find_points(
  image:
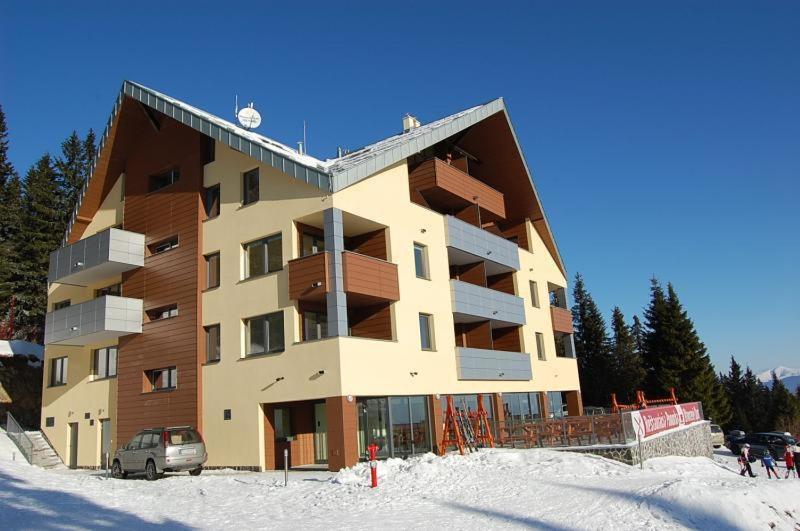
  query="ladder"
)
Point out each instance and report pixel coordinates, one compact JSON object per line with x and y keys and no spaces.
{"x":452,"y":433}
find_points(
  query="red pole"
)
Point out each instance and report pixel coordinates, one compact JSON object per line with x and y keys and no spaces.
{"x":373,"y":463}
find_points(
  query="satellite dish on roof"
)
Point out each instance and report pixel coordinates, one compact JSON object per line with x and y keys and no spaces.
{"x":249,"y":117}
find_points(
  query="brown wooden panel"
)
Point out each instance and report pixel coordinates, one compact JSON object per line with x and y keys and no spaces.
{"x":172,"y":277}
{"x":474,"y":335}
{"x":305,"y":272}
{"x":518,"y":233}
{"x":506,"y":339}
{"x":503,"y":282}
{"x":364,"y":275}
{"x":374,"y":321}
{"x":371,"y":244}
{"x":342,"y":432}
{"x":473,"y":273}
{"x":562,"y":319}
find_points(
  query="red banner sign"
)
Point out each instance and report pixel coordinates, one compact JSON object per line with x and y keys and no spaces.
{"x":655,"y":420}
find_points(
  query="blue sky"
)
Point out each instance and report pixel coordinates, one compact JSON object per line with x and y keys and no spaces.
{"x":664,"y":137}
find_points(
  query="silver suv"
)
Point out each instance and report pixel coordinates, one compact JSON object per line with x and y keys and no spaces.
{"x":158,"y":450}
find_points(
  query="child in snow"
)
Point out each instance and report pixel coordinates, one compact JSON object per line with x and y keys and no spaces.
{"x":768,"y":462}
{"x":744,"y":461}
{"x":788,"y":458}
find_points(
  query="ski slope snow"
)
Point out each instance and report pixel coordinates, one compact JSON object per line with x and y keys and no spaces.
{"x":491,"y":489}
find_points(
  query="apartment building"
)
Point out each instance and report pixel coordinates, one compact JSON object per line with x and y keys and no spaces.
{"x":214,"y":277}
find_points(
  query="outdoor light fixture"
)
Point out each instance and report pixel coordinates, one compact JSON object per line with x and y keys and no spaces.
{"x":413,"y":373}
{"x":74,"y":328}
{"x":494,"y":312}
{"x":321,"y":372}
{"x":78,"y":264}
{"x":349,"y":398}
{"x":423,"y":231}
{"x":279,"y":378}
{"x":316,"y":284}
{"x":502,"y":374}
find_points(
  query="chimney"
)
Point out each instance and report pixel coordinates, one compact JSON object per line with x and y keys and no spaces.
{"x":409,"y":123}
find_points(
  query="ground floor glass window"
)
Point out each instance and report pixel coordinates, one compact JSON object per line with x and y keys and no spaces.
{"x":398,"y":425}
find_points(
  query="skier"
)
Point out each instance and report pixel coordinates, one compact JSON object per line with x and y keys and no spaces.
{"x":744,"y":461}
{"x":788,"y":457}
{"x":768,"y":462}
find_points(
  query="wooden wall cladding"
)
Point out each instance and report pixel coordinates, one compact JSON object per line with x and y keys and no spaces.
{"x":507,"y":339}
{"x":371,"y":277}
{"x":172,"y":277}
{"x":371,"y":244}
{"x":562,"y":319}
{"x":374,"y":322}
{"x":517,"y":232}
{"x":474,"y":335}
{"x":473,"y":273}
{"x":503,"y":282}
{"x":342,"y":432}
{"x":305,"y":272}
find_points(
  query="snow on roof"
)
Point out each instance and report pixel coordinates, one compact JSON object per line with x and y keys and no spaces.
{"x":17,"y":347}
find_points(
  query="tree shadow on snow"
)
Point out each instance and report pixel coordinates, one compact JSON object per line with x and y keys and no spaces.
{"x":23,"y":506}
{"x":509,"y":518}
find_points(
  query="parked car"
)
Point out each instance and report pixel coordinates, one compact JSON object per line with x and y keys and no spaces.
{"x":773,"y":441}
{"x":717,"y":437}
{"x":158,"y":450}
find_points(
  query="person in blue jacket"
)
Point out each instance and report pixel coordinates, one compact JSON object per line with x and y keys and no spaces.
{"x":768,"y":462}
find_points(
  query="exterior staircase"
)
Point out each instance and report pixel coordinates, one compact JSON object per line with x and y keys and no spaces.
{"x":33,"y":445}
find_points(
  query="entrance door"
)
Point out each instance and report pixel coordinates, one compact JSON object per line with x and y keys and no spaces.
{"x":320,"y":433}
{"x":73,"y":445}
{"x":105,"y":442}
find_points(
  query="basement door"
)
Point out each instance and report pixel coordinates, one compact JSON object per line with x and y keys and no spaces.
{"x":320,"y":433}
{"x":105,"y":438}
{"x":73,"y":445}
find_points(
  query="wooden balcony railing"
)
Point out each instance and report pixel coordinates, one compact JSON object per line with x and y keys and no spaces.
{"x":446,"y":186}
{"x":562,"y":319}
{"x":308,"y":277}
{"x":370,"y":277}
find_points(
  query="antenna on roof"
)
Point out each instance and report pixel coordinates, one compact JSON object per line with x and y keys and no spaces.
{"x":248,"y":117}
{"x":236,"y":107}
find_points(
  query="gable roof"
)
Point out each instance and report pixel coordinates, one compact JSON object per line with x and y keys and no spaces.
{"x":331,"y":175}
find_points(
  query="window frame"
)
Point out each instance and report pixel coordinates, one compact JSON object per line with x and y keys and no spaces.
{"x":246,"y":200}
{"x":429,"y":326}
{"x":540,"y":351}
{"x":267,"y":328}
{"x":100,"y":291}
{"x":212,"y":208}
{"x":168,"y":244}
{"x":106,"y":352}
{"x":218,"y":347}
{"x":169,"y":308}
{"x":171,"y":373}
{"x":58,"y":371}
{"x":426,"y":275}
{"x":321,"y":325}
{"x":208,"y":260}
{"x":534,"y":287}
{"x":263,"y":242}
{"x":171,"y":176}
{"x":60,"y":305}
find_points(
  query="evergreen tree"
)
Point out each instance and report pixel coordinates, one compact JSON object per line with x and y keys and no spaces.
{"x":734,"y":384}
{"x":71,"y":168}
{"x":10,"y":192}
{"x":660,"y":345}
{"x":629,"y":373}
{"x":783,"y":410}
{"x":756,"y":402}
{"x":637,"y":330}
{"x":592,"y":347}
{"x":42,"y":230}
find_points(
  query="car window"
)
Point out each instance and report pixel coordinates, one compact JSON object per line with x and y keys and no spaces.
{"x":716,"y":429}
{"x":136,"y":442}
{"x":150,"y":440}
{"x":184,"y":436}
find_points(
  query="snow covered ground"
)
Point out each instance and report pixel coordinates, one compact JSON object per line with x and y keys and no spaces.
{"x":492,"y":489}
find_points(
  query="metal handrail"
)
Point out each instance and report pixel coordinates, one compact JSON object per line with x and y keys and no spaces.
{"x":17,"y":434}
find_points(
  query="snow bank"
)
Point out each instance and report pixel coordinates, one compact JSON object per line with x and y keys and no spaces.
{"x":491,"y":489}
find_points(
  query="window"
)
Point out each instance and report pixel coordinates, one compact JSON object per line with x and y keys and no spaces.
{"x":105,"y":362}
{"x":283,"y":423}
{"x":61,"y":304}
{"x":164,"y":312}
{"x":49,"y":422}
{"x":212,"y":343}
{"x":150,"y":440}
{"x":534,"y":294}
{"x":58,"y":371}
{"x":426,"y":331}
{"x":114,"y":289}
{"x":264,"y":334}
{"x":312,"y":244}
{"x":540,"y":346}
{"x":421,"y":260}
{"x":561,"y":351}
{"x":521,"y":406}
{"x":212,"y":271}
{"x":558,"y":295}
{"x":162,"y":180}
{"x":250,"y":187}
{"x":211,"y":201}
{"x":315,"y":325}
{"x":263,"y":256}
{"x":162,"y":379}
{"x":556,"y":403}
{"x":163,"y":245}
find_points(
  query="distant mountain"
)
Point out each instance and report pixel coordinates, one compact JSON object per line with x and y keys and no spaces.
{"x":789,"y":377}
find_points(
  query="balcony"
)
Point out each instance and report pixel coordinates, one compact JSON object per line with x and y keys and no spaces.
{"x":368,"y":279}
{"x":483,"y":364}
{"x":308,"y":277}
{"x":475,"y":303}
{"x":467,"y":243}
{"x":562,"y":319}
{"x":95,"y":321}
{"x":101,"y":256}
{"x":446,"y":188}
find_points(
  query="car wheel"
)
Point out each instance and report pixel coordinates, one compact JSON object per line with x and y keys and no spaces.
{"x":117,"y":472}
{"x":150,"y":471}
{"x":196,"y":471}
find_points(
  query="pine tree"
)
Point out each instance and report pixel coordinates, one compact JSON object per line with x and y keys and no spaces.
{"x":734,"y":384}
{"x":756,"y":402}
{"x":10,"y":192}
{"x":637,"y":330}
{"x":42,"y":230}
{"x":783,"y":410}
{"x":629,"y":373}
{"x":659,"y":356}
{"x":71,"y":168}
{"x":592,"y":347}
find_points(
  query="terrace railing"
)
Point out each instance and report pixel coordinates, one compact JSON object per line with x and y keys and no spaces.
{"x":17,"y":434}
